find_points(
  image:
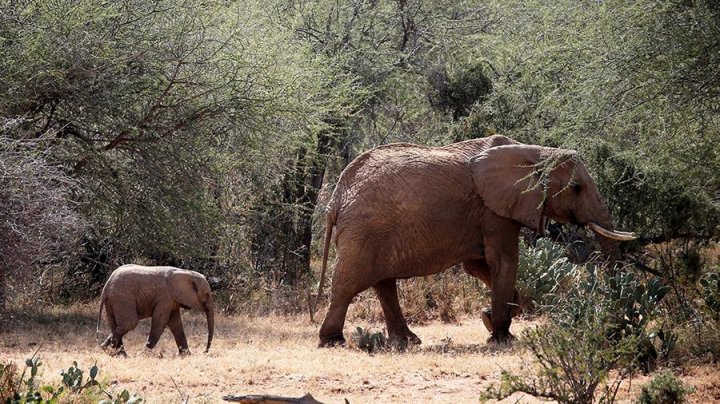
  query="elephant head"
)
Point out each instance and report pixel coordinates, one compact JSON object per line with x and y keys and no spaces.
{"x":530,"y":183}
{"x":192,"y":291}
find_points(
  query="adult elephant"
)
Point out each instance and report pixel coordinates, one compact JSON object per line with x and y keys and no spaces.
{"x":135,"y":292}
{"x":403,"y":210}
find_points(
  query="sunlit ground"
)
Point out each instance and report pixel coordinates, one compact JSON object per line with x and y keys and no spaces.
{"x":278,"y":355}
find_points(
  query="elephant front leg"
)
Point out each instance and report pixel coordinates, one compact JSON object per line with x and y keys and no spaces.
{"x":480,"y":269}
{"x":502,"y":259}
{"x":176,"y":327}
{"x":398,"y":331}
{"x":515,"y":310}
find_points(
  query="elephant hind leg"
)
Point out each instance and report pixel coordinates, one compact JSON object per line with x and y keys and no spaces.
{"x":110,"y":316}
{"x":331,"y":330}
{"x":119,"y":332}
{"x":109,"y":340}
{"x":398,"y":331}
{"x":120,"y":321}
{"x":349,"y":279}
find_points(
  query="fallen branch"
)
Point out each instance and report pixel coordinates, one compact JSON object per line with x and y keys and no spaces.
{"x":269,"y":399}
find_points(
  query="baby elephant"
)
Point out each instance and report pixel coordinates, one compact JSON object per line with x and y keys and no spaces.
{"x":134,"y":292}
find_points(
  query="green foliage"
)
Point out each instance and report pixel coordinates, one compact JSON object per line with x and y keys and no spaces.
{"x":624,"y":303}
{"x":612,"y":79}
{"x":710,"y":291}
{"x":633,"y":301}
{"x":601,"y":323}
{"x":200,"y":133}
{"x":38,"y":221}
{"x":369,"y":341}
{"x":658,"y":203}
{"x":665,"y":388}
{"x":543,"y":272}
{"x":571,"y":364}
{"x":73,"y":386}
{"x":458,"y":90}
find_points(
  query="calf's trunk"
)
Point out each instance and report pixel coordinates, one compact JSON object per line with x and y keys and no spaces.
{"x":210,"y":314}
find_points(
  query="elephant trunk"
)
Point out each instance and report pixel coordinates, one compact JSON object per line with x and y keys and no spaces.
{"x":610,"y":248}
{"x":210,"y":313}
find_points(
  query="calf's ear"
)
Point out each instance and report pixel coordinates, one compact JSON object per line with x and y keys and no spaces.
{"x":183,"y":289}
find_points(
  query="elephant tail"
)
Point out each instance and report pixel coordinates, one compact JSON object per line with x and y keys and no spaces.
{"x":329,"y":223}
{"x":102,"y":303}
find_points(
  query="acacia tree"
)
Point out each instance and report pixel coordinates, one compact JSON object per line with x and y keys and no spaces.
{"x":379,"y":55}
{"x":631,"y":86}
{"x":37,"y":216}
{"x":141,"y":101}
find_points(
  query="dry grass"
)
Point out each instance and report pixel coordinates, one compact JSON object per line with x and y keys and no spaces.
{"x":278,"y":355}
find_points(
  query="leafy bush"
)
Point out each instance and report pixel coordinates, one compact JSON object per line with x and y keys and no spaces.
{"x":369,"y":341}
{"x":710,"y":290}
{"x":73,"y":388}
{"x":571,"y":365}
{"x":658,"y":204}
{"x":600,"y":324}
{"x":458,"y":89}
{"x":665,"y":388}
{"x":542,"y":271}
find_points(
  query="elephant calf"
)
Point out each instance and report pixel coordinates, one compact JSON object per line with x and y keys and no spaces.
{"x":135,"y":292}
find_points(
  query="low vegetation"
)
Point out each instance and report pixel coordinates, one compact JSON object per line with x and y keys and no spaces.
{"x":73,"y":387}
{"x":664,"y":388}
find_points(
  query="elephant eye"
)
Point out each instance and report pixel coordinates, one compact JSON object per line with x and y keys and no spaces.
{"x":575,"y":187}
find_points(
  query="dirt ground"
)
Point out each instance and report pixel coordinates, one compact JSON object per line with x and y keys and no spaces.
{"x":278,"y":355}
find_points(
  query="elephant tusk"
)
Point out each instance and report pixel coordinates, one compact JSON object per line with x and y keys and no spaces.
{"x":611,"y":234}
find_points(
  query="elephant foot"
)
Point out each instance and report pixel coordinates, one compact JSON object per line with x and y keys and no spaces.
{"x":486,"y":315}
{"x":501,"y":338}
{"x":331,"y":341}
{"x":402,"y":342}
{"x":184,"y":351}
{"x":116,"y":351}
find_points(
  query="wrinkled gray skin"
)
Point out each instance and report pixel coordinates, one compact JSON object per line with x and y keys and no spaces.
{"x":403,"y":210}
{"x":135,"y":292}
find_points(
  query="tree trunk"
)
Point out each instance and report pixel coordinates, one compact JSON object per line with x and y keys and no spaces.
{"x":300,"y":192}
{"x":3,"y":291}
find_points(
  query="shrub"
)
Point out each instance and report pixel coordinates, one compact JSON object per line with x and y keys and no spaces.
{"x":571,"y":365}
{"x":455,"y":90}
{"x":710,"y":290}
{"x":369,"y":341}
{"x":542,"y":270}
{"x":600,"y":324}
{"x":73,"y":387}
{"x":665,"y":388}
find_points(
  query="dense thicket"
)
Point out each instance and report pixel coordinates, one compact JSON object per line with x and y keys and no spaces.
{"x":201,"y":133}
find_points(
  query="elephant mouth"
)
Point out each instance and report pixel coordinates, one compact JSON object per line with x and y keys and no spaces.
{"x":611,"y":234}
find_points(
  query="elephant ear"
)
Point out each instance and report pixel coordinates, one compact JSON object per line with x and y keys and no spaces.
{"x":183,"y":289}
{"x":505,"y":178}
